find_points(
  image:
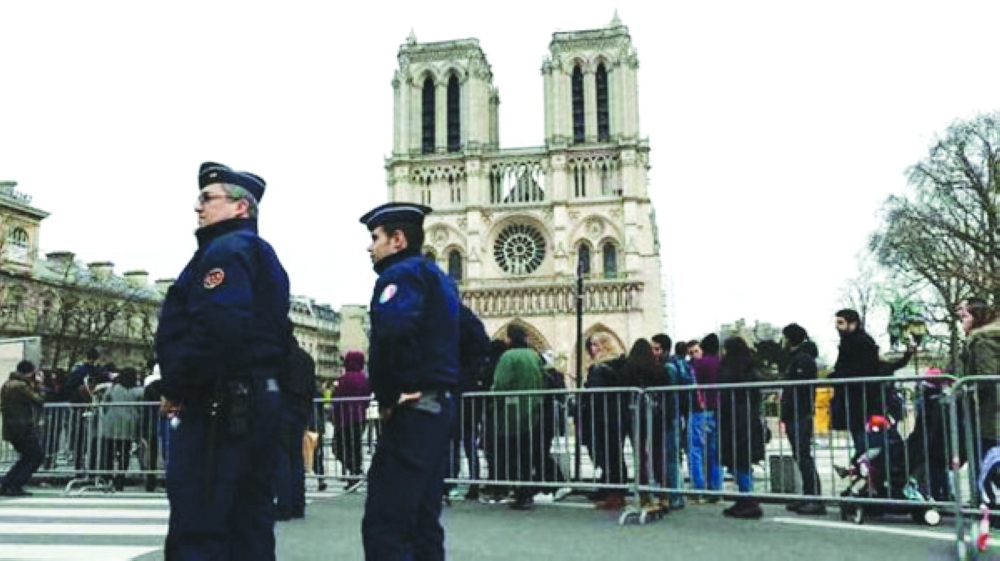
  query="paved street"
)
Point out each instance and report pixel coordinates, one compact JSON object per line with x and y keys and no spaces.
{"x":131,"y":526}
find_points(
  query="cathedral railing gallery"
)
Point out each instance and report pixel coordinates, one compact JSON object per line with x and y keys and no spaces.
{"x":600,"y":296}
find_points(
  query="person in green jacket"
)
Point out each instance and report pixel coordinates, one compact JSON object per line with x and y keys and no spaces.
{"x":517,"y":417}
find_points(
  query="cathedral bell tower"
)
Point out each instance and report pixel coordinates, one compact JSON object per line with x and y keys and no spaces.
{"x":513,"y":226}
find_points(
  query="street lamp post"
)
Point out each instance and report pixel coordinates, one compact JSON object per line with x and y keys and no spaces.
{"x":579,"y":365}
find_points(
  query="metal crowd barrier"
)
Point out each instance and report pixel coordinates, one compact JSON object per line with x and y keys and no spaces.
{"x":975,"y":431}
{"x":616,"y":442}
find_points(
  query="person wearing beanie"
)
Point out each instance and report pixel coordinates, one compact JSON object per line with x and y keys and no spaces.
{"x":20,"y":405}
{"x":222,"y":346}
{"x":798,"y":410}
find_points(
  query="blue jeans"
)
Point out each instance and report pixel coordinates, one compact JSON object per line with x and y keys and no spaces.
{"x":702,"y":435}
{"x":744,"y":480}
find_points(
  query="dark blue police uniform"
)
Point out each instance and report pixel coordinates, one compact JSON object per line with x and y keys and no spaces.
{"x":223,"y":326}
{"x":413,"y":348}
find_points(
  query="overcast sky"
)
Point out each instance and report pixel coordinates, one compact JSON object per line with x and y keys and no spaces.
{"x":776,"y":128}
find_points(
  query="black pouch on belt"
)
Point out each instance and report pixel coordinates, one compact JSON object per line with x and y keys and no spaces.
{"x":239,"y":402}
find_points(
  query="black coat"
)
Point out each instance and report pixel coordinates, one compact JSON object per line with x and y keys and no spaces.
{"x":853,"y":404}
{"x":799,"y":402}
{"x":741,"y":421}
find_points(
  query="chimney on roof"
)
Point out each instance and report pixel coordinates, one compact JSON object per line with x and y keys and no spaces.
{"x":102,"y":270}
{"x":162,"y":285}
{"x":137,"y":279}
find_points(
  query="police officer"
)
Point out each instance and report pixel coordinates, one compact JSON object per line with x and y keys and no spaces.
{"x":413,"y":368}
{"x":221,"y":341}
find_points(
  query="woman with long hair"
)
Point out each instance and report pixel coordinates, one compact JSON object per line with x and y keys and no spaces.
{"x":604,"y":418}
{"x":981,"y":357}
{"x":741,"y":429}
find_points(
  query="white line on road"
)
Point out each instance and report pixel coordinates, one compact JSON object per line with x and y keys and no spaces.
{"x":928,"y":534}
{"x":84,"y":501}
{"x":35,"y":552}
{"x":91,"y":513}
{"x":57,"y":529}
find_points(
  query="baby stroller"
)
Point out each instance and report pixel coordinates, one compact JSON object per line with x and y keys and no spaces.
{"x":878,"y":471}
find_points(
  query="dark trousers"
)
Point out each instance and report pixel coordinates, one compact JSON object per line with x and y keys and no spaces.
{"x":800,"y":432}
{"x":115,"y":457}
{"x":347,"y":447}
{"x":290,"y":481}
{"x":518,"y":454}
{"x":405,"y":483}
{"x":237,"y":521}
{"x":30,"y":449}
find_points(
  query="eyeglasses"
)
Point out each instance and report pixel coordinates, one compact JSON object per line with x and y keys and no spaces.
{"x":205,"y":197}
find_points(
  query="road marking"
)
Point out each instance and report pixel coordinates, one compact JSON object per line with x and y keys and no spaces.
{"x":928,"y":534}
{"x":57,"y":529}
{"x":89,"y":501}
{"x":95,"y":513}
{"x":35,"y":552}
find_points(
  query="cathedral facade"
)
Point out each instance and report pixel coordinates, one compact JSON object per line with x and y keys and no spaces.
{"x":516,"y":226}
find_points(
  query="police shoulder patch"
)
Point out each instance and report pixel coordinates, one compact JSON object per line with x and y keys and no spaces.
{"x":213,"y":278}
{"x":387,"y":293}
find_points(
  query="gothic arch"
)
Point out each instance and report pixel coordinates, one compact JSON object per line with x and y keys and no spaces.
{"x":582,"y":230}
{"x":456,"y":71}
{"x":443,"y":236}
{"x":422,"y":72}
{"x":499,"y":225}
{"x":535,"y":337}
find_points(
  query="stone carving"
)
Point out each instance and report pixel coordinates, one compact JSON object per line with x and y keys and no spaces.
{"x":463,"y":223}
{"x":595,"y":227}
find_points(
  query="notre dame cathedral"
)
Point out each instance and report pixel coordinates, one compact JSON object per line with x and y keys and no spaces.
{"x":515,"y":225}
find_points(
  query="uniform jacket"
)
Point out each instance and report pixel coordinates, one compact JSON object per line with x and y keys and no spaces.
{"x":982,"y":358}
{"x":20,"y":407}
{"x":474,"y":346}
{"x":414,"y":328}
{"x":798,"y":402}
{"x":227,"y":313}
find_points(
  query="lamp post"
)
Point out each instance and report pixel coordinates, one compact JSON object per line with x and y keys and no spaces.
{"x":579,"y":364}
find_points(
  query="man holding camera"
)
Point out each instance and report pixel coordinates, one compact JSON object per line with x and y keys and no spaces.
{"x":20,"y":403}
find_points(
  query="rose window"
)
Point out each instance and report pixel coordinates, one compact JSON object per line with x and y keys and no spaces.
{"x":519,"y":249}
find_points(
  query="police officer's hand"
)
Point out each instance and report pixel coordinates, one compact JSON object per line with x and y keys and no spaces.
{"x":385,"y":413}
{"x":403,"y":398}
{"x":168,"y":407}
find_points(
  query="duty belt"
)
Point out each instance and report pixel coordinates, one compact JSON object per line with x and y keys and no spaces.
{"x":430,"y":401}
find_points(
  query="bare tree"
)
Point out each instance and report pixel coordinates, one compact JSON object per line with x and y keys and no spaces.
{"x":944,"y":233}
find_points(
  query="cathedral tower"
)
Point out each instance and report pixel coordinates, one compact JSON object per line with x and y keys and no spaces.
{"x":514,"y":225}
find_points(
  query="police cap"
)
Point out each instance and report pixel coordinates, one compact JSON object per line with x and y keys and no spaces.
{"x":211,"y":172}
{"x":395,"y":212}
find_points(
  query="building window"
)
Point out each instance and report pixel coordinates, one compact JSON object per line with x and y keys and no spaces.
{"x":455,"y":265}
{"x":16,"y":247}
{"x":603,"y":115}
{"x":519,"y":249}
{"x":428,"y":117}
{"x":454,"y":116}
{"x":578,"y":111}
{"x":610,"y":261}
{"x":583,"y":259}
